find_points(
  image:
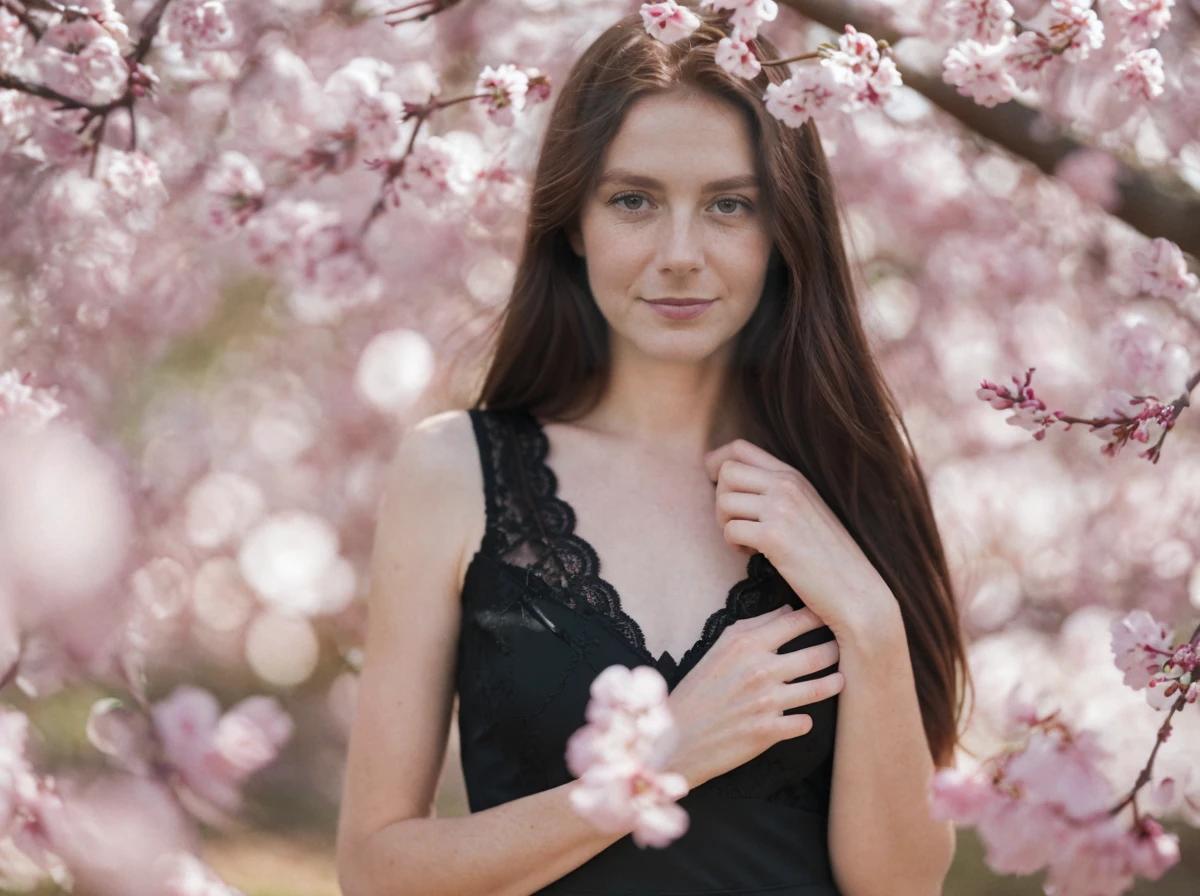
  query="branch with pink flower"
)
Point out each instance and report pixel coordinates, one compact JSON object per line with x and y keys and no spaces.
{"x":80,"y":53}
{"x":1046,"y":803}
{"x":976,"y":87}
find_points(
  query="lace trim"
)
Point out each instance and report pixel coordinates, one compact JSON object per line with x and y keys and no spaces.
{"x":540,"y":532}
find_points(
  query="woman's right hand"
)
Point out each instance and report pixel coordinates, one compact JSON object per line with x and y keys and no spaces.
{"x":730,"y":707}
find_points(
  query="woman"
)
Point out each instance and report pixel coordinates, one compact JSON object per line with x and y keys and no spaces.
{"x":747,"y":439}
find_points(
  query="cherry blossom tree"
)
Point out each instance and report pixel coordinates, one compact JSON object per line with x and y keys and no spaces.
{"x":241,"y":242}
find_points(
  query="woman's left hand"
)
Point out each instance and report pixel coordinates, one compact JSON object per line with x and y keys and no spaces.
{"x":766,"y":505}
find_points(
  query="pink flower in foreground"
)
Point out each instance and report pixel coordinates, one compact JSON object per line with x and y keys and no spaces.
{"x":668,"y":21}
{"x":213,"y":754}
{"x":1046,"y":805}
{"x":619,"y":757}
{"x":251,"y":733}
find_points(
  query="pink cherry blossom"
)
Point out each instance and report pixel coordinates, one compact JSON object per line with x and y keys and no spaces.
{"x":864,"y":74}
{"x":251,"y":734}
{"x":79,"y":58}
{"x":24,"y":405}
{"x":1028,"y":411}
{"x":212,"y":752}
{"x":1134,"y":23}
{"x":668,"y":21}
{"x":505,"y":87}
{"x":1075,"y":29}
{"x":737,"y":58}
{"x":1163,"y":271}
{"x":200,"y":24}
{"x":810,"y":93}
{"x":618,"y":757}
{"x":981,"y":21}
{"x":980,"y":71}
{"x":12,"y":35}
{"x":1140,"y":75}
{"x":1031,"y":58}
{"x":359,"y":101}
{"x":746,"y":16}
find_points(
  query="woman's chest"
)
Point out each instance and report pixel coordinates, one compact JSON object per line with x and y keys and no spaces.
{"x":659,"y":544}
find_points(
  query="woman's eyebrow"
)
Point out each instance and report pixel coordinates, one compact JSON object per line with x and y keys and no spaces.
{"x":624,"y":176}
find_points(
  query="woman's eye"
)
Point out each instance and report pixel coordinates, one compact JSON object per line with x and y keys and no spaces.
{"x":623,"y":198}
{"x":728,"y":204}
{"x":736,"y":203}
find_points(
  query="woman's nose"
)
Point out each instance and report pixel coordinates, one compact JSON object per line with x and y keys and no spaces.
{"x":681,"y":248}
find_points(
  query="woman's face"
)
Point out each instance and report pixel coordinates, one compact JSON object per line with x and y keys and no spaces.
{"x":661,"y":225}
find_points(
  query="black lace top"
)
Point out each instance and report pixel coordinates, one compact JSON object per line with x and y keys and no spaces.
{"x":539,"y":623}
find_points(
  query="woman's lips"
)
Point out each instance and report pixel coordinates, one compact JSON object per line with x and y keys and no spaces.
{"x":679,"y":309}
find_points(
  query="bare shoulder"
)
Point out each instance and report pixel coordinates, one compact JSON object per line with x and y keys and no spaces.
{"x":436,"y":464}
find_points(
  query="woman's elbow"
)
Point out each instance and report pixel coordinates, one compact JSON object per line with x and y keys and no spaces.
{"x":350,"y":866}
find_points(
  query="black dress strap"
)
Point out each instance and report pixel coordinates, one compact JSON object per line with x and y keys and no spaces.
{"x":514,"y":531}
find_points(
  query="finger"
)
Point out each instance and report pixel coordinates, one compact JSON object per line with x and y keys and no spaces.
{"x":752,"y":622}
{"x":802,"y":693}
{"x":738,"y":505}
{"x":743,"y":533}
{"x":788,"y":626}
{"x":809,"y":660}
{"x":742,"y":477}
{"x":744,"y":451}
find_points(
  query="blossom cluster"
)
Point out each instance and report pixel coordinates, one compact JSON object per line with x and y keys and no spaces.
{"x":855,"y":73}
{"x":996,"y":57}
{"x":1142,"y":650}
{"x":1048,"y":804}
{"x":1123,"y":418}
{"x":619,"y":757}
{"x":184,"y":741}
{"x":1044,"y":805}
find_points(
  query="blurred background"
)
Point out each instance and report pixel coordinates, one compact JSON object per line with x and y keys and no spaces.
{"x":217,"y":313}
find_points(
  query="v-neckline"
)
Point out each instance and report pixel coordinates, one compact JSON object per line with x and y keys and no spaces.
{"x":714,"y":624}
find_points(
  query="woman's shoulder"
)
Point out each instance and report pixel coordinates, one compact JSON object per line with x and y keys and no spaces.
{"x":441,"y":444}
{"x":438,"y":460}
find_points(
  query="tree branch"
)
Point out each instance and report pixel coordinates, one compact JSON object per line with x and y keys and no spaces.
{"x":1157,"y":204}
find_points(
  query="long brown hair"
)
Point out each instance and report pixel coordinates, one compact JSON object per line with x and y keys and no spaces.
{"x":803,"y":372}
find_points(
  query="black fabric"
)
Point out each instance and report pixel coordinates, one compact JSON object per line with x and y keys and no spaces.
{"x":539,"y":624}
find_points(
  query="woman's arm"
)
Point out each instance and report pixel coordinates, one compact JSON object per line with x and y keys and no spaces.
{"x":387,"y":844}
{"x":513,"y":849}
{"x":882,"y":838}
